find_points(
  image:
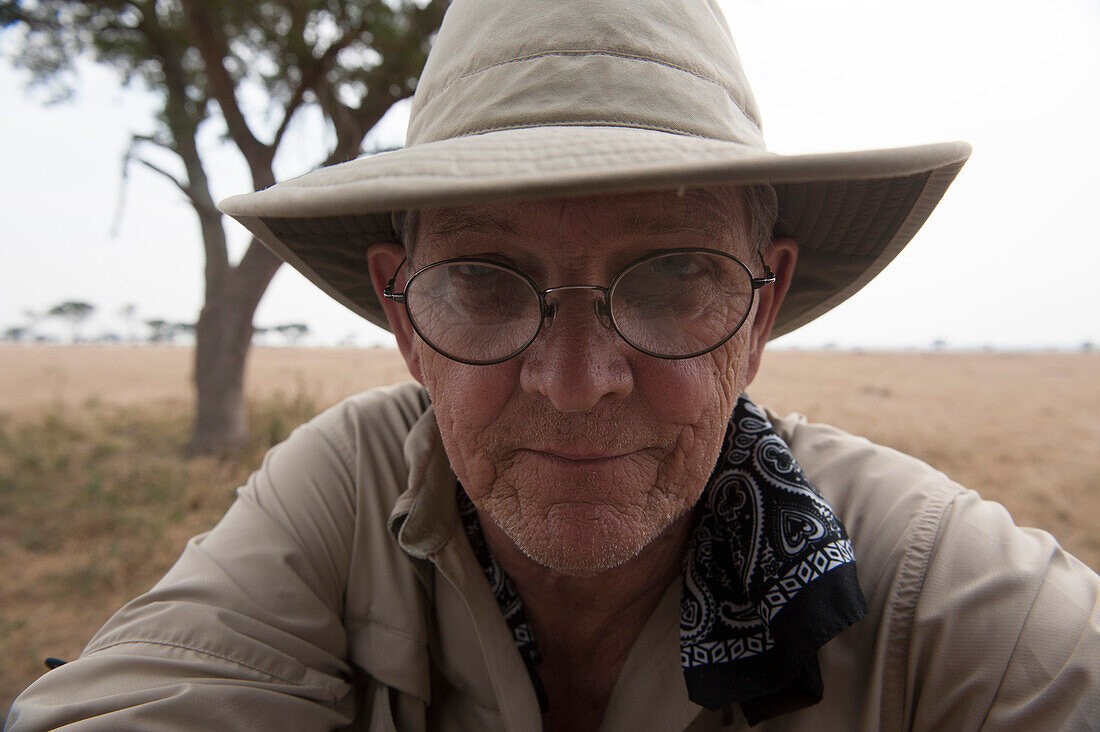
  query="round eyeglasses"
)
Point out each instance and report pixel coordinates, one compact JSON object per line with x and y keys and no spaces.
{"x":671,"y":304}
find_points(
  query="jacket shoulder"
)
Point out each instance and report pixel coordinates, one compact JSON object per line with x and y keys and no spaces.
{"x":893,"y":505}
{"x":972,"y":620}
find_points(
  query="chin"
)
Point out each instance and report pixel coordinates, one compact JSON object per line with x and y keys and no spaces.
{"x":585,"y":541}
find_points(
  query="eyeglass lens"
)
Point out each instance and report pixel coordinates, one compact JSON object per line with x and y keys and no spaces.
{"x":672,"y":305}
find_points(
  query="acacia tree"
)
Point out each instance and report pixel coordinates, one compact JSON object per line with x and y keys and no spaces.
{"x":74,"y":311}
{"x":352,"y":59}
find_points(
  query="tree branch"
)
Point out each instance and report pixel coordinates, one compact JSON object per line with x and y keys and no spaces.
{"x":253,"y":273}
{"x":388,"y":83}
{"x":214,"y":48}
{"x":179,"y":184}
{"x":310,"y":77}
{"x":128,"y":157}
{"x":182,"y":123}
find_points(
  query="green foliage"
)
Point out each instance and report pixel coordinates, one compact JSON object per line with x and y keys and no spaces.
{"x":73,"y":311}
{"x":352,"y":58}
{"x":163,"y":331}
{"x":15,"y":333}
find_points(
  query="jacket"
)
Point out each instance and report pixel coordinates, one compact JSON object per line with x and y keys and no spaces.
{"x":340,"y":591}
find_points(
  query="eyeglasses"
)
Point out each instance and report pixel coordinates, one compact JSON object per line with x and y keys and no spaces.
{"x":670,"y":304}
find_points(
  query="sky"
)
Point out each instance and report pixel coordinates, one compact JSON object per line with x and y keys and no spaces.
{"x":1010,"y":259}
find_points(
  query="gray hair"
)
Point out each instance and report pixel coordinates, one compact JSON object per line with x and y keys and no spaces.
{"x":762,"y":211}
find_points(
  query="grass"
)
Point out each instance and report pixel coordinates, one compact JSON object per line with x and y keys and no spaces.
{"x":95,"y":503}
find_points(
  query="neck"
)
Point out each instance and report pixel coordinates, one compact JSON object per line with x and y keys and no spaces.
{"x":586,"y":626}
{"x":585,"y":600}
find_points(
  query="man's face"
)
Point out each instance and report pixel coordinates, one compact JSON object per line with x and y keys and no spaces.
{"x":582,"y":449}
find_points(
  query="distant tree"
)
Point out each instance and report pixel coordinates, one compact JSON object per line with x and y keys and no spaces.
{"x":16,"y":333}
{"x":75,"y":312}
{"x":33,"y":317}
{"x":349,"y":59}
{"x":128,"y":312}
{"x":160,"y":331}
{"x":292,"y":332}
{"x":165,"y":331}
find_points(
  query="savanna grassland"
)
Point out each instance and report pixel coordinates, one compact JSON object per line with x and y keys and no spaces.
{"x":97,"y":496}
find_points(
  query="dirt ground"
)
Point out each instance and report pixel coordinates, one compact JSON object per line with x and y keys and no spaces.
{"x":36,"y":377}
{"x":96,"y":499}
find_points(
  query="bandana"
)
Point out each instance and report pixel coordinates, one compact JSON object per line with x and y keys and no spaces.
{"x":769,"y":579}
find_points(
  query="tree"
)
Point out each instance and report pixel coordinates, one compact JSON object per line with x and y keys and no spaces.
{"x":163,"y":331}
{"x":129,"y":314}
{"x":292,"y":332}
{"x":75,"y":312}
{"x":351,"y":59}
{"x":34,"y":317}
{"x":16,"y":333}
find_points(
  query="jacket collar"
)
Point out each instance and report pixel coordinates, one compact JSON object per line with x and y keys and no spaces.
{"x":425,"y":516}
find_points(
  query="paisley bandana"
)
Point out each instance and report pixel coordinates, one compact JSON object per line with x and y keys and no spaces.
{"x":504,"y":590}
{"x":768,"y":580}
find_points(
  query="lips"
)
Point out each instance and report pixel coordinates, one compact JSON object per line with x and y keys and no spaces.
{"x":577,"y":456}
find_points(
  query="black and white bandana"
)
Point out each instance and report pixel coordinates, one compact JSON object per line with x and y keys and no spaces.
{"x":769,"y":579}
{"x":504,"y":590}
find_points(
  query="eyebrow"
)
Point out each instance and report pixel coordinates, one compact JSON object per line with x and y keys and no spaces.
{"x":450,"y":223}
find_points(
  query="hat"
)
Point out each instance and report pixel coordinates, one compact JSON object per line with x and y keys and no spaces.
{"x":525,"y":99}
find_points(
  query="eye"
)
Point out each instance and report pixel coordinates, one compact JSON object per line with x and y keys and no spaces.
{"x":474,"y":270}
{"x":676,"y":266}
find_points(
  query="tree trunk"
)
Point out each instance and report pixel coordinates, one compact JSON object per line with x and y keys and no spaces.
{"x":222,"y":339}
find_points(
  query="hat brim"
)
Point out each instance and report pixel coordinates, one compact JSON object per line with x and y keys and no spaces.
{"x":851,"y":213}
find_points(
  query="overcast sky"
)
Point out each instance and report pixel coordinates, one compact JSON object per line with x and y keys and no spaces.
{"x":1011,"y":258}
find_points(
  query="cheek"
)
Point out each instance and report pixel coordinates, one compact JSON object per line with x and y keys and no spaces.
{"x":697,"y":394}
{"x":468,"y":401}
{"x":696,"y":391}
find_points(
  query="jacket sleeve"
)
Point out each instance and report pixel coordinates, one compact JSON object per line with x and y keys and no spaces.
{"x":1006,"y":633}
{"x":244,"y":632}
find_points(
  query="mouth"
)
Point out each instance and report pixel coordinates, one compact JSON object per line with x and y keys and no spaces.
{"x":578,"y":457}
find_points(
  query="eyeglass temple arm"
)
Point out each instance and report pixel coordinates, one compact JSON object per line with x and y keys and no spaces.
{"x":387,"y":291}
{"x":758,"y":282}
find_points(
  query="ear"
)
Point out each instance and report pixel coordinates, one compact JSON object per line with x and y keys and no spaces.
{"x":385,"y":259}
{"x":781,"y":258}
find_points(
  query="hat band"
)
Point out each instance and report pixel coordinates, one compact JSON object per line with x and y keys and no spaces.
{"x":598,"y":88}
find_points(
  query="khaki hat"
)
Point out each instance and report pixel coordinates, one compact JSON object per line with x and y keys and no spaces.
{"x":526,"y":99}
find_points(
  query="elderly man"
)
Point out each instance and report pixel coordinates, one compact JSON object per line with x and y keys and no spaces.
{"x":576,"y":519}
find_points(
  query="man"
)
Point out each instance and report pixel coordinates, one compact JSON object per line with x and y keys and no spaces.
{"x":575,"y":519}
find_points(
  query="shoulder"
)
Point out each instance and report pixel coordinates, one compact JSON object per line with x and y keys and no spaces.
{"x":376,"y":419}
{"x":977,"y":621}
{"x":893,"y":505}
{"x":327,"y":466}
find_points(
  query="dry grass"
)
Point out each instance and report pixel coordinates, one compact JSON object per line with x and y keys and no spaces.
{"x":96,"y":499}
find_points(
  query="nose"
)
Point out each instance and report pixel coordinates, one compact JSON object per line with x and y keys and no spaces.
{"x":577,"y":359}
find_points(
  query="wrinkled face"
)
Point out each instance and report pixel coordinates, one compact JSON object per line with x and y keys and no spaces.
{"x":582,"y":449}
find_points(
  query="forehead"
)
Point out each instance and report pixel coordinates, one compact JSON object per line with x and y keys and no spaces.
{"x":712,"y":217}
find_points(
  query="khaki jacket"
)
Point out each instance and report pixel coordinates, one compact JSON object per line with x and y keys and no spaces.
{"x":339,"y":590}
